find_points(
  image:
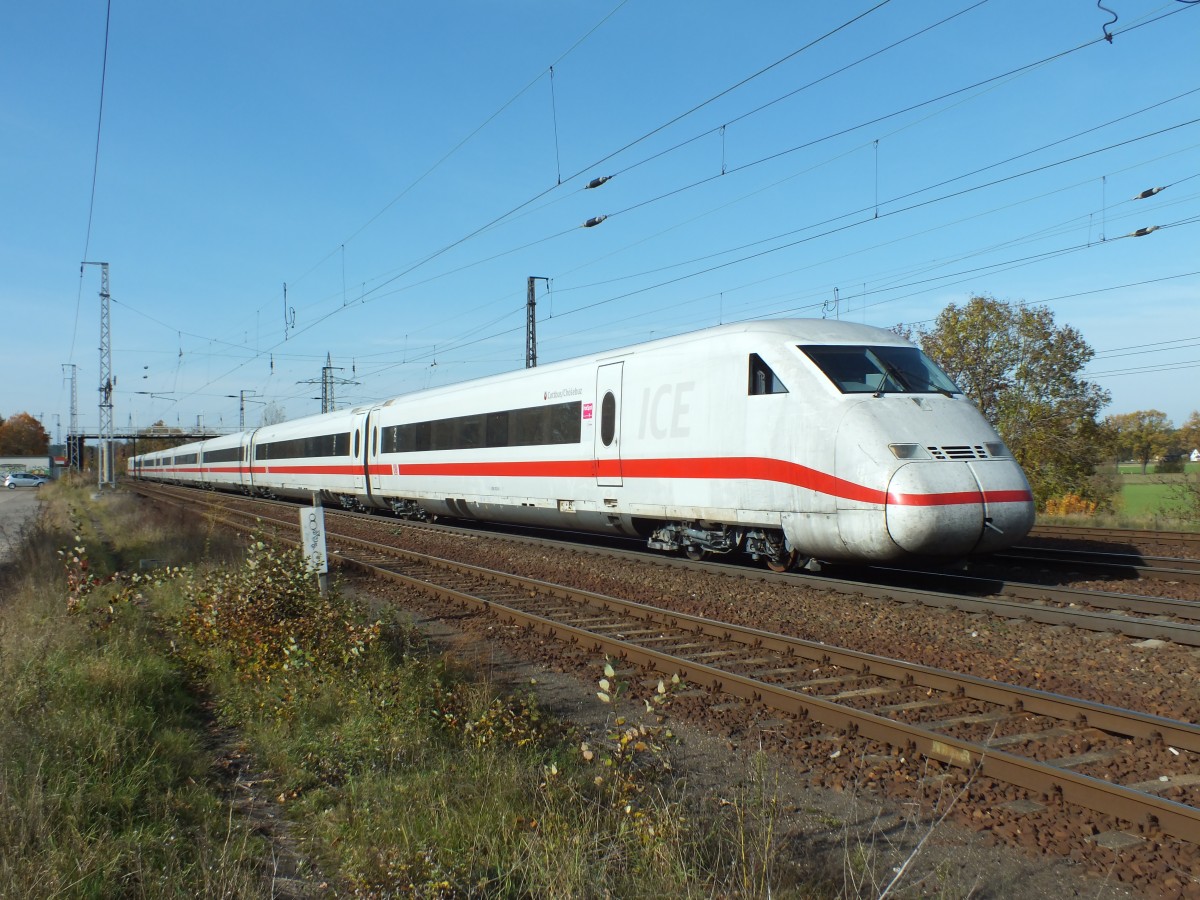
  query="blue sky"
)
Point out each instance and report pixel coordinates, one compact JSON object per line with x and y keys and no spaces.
{"x":404,"y":168}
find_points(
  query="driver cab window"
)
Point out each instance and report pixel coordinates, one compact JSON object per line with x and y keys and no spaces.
{"x":762,"y":379}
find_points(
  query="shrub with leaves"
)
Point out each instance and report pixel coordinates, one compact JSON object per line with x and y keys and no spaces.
{"x":88,"y":592}
{"x":514,"y":722}
{"x":1070,"y":505}
{"x":632,"y":757}
{"x":1186,"y":494}
{"x":269,"y":618}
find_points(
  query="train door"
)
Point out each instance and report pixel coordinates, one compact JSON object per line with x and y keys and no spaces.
{"x":248,"y":484}
{"x":371,"y":450}
{"x":608,"y":432}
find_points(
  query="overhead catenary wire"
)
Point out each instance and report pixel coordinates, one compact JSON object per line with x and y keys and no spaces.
{"x":489,"y":258}
{"x":828,"y":231}
{"x":1008,"y":73}
{"x":1020,"y":261}
{"x":895,"y":199}
{"x":87,"y":240}
{"x":709,"y":256}
{"x":543,"y":193}
{"x":462,"y":143}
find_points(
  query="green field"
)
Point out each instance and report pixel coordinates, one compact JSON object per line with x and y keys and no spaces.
{"x":1151,"y":496}
{"x":1142,"y":501}
{"x":1150,"y":500}
{"x":1136,"y":469}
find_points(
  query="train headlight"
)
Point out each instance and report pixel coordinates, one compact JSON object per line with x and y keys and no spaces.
{"x":997,"y":449}
{"x":909,"y":451}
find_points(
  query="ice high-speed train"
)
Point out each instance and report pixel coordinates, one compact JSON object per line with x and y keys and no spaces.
{"x":790,"y":440}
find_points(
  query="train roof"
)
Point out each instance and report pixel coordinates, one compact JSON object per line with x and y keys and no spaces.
{"x":800,"y":331}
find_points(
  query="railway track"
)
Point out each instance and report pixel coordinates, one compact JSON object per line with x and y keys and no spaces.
{"x":1111,"y":761}
{"x":1133,"y":615}
{"x":1106,"y":564}
{"x":1126,"y":536}
{"x":949,"y":589}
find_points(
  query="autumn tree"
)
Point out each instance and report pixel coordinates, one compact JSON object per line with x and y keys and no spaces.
{"x":1025,"y":375}
{"x":159,"y":436}
{"x":1189,"y":433}
{"x":1187,"y":491}
{"x":273,"y":413}
{"x":23,"y":435}
{"x":1142,"y":436}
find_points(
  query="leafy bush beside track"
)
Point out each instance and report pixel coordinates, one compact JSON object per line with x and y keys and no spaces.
{"x":389,"y":771}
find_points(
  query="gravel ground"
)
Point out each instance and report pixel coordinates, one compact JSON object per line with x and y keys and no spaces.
{"x":1105,"y":668}
{"x":847,"y":838}
{"x":1095,"y":666}
{"x":18,"y":509}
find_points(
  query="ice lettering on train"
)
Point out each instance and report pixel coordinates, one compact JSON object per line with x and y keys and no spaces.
{"x":665,"y":411}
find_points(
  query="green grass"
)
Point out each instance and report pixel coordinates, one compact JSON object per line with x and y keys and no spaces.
{"x":1189,"y":468}
{"x":105,"y":785}
{"x":394,"y":772}
{"x":1149,"y":501}
{"x":1167,"y":502}
{"x":405,"y":776}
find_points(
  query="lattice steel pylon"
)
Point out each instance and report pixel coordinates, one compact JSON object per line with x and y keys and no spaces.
{"x":531,"y":322}
{"x":105,"y":467}
{"x":328,"y":381}
{"x":327,"y":401}
{"x":74,"y":463}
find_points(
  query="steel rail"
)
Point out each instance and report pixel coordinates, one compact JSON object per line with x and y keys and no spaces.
{"x":1180,"y":563}
{"x":1182,"y":735}
{"x":1184,"y":633}
{"x":1121,"y":565}
{"x":1172,"y":818}
{"x":1141,"y":604}
{"x":1107,"y":534}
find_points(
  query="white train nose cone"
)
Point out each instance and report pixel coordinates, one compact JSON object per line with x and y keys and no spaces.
{"x":935,"y":509}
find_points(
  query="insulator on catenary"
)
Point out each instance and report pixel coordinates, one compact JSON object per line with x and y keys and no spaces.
{"x":594,"y":221}
{"x":1142,"y":232}
{"x":1149,"y":192}
{"x":596,"y":182}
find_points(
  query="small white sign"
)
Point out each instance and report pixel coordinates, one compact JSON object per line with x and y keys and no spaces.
{"x":312,"y":538}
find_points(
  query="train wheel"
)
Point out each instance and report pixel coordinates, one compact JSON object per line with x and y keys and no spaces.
{"x":781,"y":563}
{"x":694,"y":553}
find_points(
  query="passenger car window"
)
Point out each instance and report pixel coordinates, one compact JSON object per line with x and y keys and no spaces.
{"x":608,"y":418}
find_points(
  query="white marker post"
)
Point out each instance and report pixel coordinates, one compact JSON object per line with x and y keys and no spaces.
{"x":312,"y":542}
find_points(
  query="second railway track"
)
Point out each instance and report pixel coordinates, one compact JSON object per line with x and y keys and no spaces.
{"x":1107,"y":564}
{"x":1126,"y":537}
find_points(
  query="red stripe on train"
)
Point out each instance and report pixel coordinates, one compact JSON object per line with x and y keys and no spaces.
{"x":716,"y":468}
{"x":752,"y":468}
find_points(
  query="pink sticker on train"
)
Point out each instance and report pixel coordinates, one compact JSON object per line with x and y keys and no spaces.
{"x":587,"y":410}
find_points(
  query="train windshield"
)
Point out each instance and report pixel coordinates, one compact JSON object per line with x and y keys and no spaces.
{"x":880,"y":370}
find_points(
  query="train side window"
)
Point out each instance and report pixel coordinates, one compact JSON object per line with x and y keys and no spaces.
{"x":375,"y":441}
{"x":608,"y":418}
{"x":497,"y":429}
{"x":762,"y":379}
{"x":356,"y":433}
